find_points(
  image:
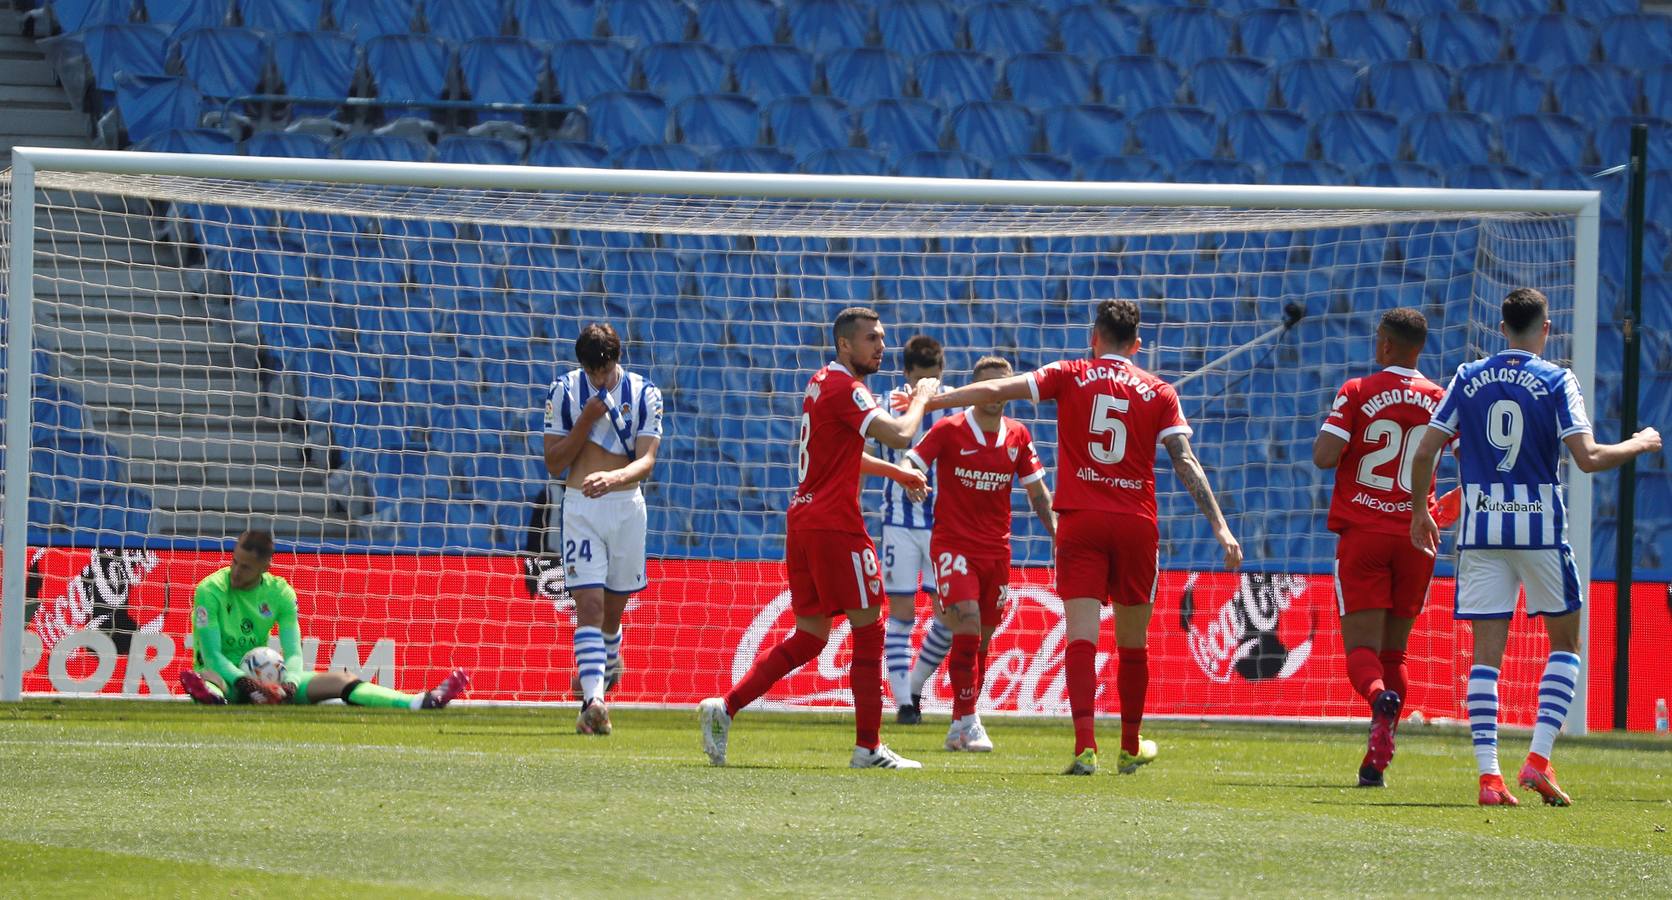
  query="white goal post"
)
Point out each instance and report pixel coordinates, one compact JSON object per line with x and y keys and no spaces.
{"x":723,"y":203}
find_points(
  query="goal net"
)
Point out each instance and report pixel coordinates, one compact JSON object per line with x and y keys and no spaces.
{"x":355,"y":356}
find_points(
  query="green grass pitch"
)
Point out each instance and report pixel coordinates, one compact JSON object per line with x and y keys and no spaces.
{"x":115,"y":799}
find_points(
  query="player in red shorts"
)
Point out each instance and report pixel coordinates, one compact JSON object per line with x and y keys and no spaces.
{"x":980,"y":451}
{"x":1110,"y":414}
{"x":1381,"y":580}
{"x":832,"y":565}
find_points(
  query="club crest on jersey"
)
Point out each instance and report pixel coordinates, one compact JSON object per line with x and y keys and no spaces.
{"x":1012,"y":451}
{"x":266,"y":611}
{"x":200,"y":616}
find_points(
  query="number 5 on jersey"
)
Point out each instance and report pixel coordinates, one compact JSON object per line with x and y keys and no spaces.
{"x":1112,"y":449}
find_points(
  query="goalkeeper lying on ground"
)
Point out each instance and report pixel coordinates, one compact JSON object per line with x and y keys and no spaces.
{"x":236,"y":609}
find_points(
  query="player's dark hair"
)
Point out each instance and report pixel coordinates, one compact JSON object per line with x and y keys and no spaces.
{"x":1117,"y":321}
{"x":1405,"y":326}
{"x":923,"y":352}
{"x":598,"y":346}
{"x":848,"y":319}
{"x":1525,"y":309}
{"x":990,"y":362}
{"x":257,"y":542}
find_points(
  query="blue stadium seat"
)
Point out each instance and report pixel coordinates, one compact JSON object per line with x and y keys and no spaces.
{"x":1214,"y":171}
{"x":502,"y":70}
{"x":1189,"y":34}
{"x":941,"y":164}
{"x":383,"y":147}
{"x":408,"y":67}
{"x":896,"y":128}
{"x":993,"y":129}
{"x":1487,"y":176}
{"x":1307,"y":171}
{"x":1176,"y":132}
{"x":368,"y":19}
{"x":1228,"y":85}
{"x":915,"y":27}
{"x":1613,"y":142}
{"x":1544,"y":143}
{"x":844,"y":161}
{"x":766,"y":73}
{"x":1636,"y":39}
{"x":626,"y":118}
{"x":677,"y":71}
{"x":1099,"y":30}
{"x":1132,"y":83}
{"x":1503,"y":89}
{"x":1008,"y":27}
{"x":1511,"y":10}
{"x":1398,"y":173}
{"x":1657,"y":90}
{"x":314,"y":64}
{"x":579,"y":154}
{"x":1447,"y":139}
{"x":189,"y":140}
{"x":222,"y":62}
{"x":1034,"y":167}
{"x":1318,"y":86}
{"x":1408,"y":87}
{"x":751,"y":159}
{"x":295,"y":145}
{"x":710,"y":122}
{"x":182,"y":16}
{"x":584,"y":69}
{"x":152,"y":104}
{"x":1455,"y":39}
{"x":1552,"y":41}
{"x":1358,"y":138}
{"x":68,"y":16}
{"x":860,"y":75}
{"x":1369,"y":36}
{"x":1041,"y":80}
{"x":556,"y":21}
{"x":1276,"y":33}
{"x":486,"y":151}
{"x":640,"y":22}
{"x":735,"y":24}
{"x":1083,"y":133}
{"x":949,"y":78}
{"x":280,"y":16}
{"x":460,"y":22}
{"x":667,"y":157}
{"x":820,"y":26}
{"x":1596,"y":92}
{"x":802,"y":125}
{"x":102,"y":51}
{"x":1268,"y":138}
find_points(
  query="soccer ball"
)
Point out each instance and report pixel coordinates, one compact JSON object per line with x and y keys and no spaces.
{"x":264,"y":664}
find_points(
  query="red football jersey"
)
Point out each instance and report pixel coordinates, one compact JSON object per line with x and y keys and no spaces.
{"x":1381,"y":418}
{"x":835,"y":412}
{"x":1110,"y":416}
{"x":972,"y":498}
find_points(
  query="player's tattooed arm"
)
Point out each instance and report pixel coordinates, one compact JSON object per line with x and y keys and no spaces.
{"x":993,"y":390}
{"x":1039,"y":497}
{"x":1189,"y":471}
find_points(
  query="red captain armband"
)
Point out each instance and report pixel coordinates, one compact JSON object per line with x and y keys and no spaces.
{"x":1449,"y":508}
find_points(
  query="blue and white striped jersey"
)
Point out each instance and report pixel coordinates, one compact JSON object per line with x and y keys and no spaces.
{"x":897,"y":510}
{"x":634,"y":410}
{"x":1510,"y":413}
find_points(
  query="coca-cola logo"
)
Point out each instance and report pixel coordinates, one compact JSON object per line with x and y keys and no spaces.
{"x":1248,"y":635}
{"x":96,"y":598}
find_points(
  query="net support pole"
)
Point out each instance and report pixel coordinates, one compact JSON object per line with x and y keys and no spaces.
{"x":1587,"y":237}
{"x":1624,"y":534}
{"x":20,"y":388}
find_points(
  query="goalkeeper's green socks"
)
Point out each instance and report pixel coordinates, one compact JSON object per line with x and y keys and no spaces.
{"x":367,"y":694}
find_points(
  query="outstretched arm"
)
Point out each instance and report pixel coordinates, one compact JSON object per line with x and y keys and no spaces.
{"x":1189,"y":471}
{"x":897,"y":431}
{"x":1013,"y":388}
{"x":1591,"y":456}
{"x":908,"y":477}
{"x":1425,"y":534}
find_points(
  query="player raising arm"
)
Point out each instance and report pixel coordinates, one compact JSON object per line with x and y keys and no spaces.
{"x":1511,"y":413}
{"x":1110,"y":414}
{"x":980,"y":451}
{"x":603,"y":425}
{"x":1381,"y":581}
{"x":237,"y":609}
{"x":832,"y":564}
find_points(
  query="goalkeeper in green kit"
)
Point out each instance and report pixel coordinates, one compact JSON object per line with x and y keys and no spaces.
{"x":235,"y":610}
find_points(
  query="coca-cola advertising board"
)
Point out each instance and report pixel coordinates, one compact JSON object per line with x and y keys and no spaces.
{"x":1247,"y":645}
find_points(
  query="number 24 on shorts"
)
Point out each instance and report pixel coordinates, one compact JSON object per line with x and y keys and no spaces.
{"x":573,"y":551}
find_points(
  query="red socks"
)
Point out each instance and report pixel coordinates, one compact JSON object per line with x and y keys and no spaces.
{"x":796,"y":650}
{"x":1081,"y":666}
{"x":1396,"y":675}
{"x":1364,"y":670}
{"x":865,"y":677}
{"x":962,"y":667}
{"x":1132,"y":679}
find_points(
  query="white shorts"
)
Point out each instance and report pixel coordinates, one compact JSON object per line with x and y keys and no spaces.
{"x":1488,"y":581}
{"x":905,"y":556}
{"x":603,"y":541}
